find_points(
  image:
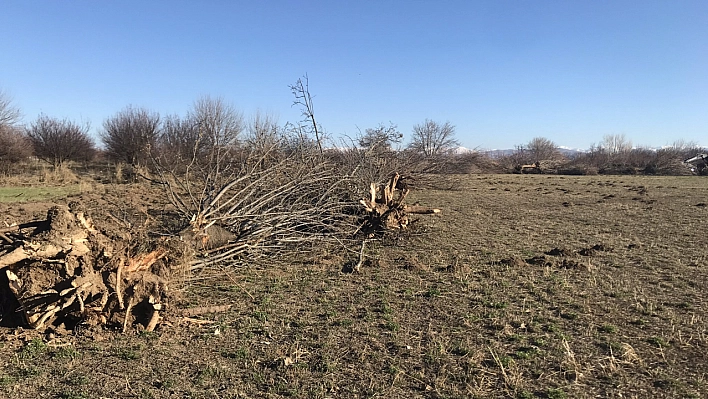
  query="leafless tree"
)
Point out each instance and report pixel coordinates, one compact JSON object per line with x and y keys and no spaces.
{"x":303,"y":99}
{"x":541,"y":149}
{"x":57,"y":141}
{"x":512,"y":162}
{"x":14,"y":146}
{"x":380,"y":138}
{"x":371,"y":158}
{"x":131,"y":135}
{"x":684,"y":149}
{"x":179,"y":141}
{"x":433,"y":139}
{"x":9,"y":113}
{"x":220,"y":124}
{"x":263,"y":132}
{"x":615,"y":144}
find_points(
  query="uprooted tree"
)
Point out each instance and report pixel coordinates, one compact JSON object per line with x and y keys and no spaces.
{"x":63,"y":271}
{"x":386,"y":208}
{"x":237,"y":199}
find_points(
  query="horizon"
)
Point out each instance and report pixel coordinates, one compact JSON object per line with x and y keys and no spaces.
{"x":502,"y":72}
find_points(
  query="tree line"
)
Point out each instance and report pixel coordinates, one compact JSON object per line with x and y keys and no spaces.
{"x":141,"y":138}
{"x":137,"y":135}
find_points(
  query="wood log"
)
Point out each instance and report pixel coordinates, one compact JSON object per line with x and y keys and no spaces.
{"x":6,"y":238}
{"x":421,"y":210}
{"x":203,"y":310}
{"x":155,"y":316}
{"x":15,"y":256}
{"x":23,"y":226}
{"x":144,"y":261}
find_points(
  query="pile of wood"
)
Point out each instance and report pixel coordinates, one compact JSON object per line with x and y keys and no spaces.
{"x":62,"y":272}
{"x":386,"y":209}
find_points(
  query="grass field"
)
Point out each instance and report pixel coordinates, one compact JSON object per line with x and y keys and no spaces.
{"x":526,"y":286}
{"x":35,"y":194}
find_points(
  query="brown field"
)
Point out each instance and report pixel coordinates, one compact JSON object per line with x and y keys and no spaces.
{"x":526,"y":286}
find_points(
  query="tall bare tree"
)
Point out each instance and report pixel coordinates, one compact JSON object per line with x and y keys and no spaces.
{"x":303,"y":99}
{"x":432,"y":139}
{"x":14,"y":147}
{"x":616,"y":144}
{"x":372,"y":158}
{"x":179,"y":141}
{"x":263,"y":132}
{"x":57,"y":141}
{"x":131,"y":135}
{"x":219,"y":126}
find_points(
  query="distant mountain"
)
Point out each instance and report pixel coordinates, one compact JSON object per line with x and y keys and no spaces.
{"x":566,"y":151}
{"x":462,"y":150}
{"x":570,"y":152}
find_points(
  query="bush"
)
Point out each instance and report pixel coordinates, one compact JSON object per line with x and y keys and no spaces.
{"x":14,"y":148}
{"x":57,"y":141}
{"x":130,"y":135}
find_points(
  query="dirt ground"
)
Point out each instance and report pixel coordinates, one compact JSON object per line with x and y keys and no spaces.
{"x":526,"y":286}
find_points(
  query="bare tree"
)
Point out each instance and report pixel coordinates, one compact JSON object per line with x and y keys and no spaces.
{"x":381,"y":138}
{"x":263,"y":132}
{"x":303,"y":98}
{"x":179,"y":141}
{"x":432,"y":139}
{"x":684,"y":149}
{"x":9,"y":113}
{"x":131,"y":135}
{"x":14,"y":146}
{"x":541,"y":148}
{"x":371,"y":158}
{"x":616,"y":144}
{"x":219,"y":123}
{"x":513,"y":161}
{"x":57,"y":141}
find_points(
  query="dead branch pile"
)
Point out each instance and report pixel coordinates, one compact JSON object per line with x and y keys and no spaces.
{"x":261,"y":208}
{"x":386,"y":209}
{"x":63,"y":272}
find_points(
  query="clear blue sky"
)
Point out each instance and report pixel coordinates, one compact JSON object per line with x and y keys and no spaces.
{"x":501,"y":71}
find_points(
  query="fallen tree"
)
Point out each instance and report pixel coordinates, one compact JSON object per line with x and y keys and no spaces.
{"x":244,"y":205}
{"x":65,"y":271}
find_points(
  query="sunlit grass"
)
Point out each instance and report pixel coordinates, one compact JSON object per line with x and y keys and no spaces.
{"x":25,"y":194}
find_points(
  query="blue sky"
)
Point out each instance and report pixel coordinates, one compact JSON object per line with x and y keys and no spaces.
{"x":501,"y":71}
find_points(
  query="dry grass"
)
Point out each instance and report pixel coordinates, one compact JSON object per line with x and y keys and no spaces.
{"x":527,"y":286}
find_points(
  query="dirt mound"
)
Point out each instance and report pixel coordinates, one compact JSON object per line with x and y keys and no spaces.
{"x":558,"y":252}
{"x":555,"y":258}
{"x":64,"y":271}
{"x":594,"y":249}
